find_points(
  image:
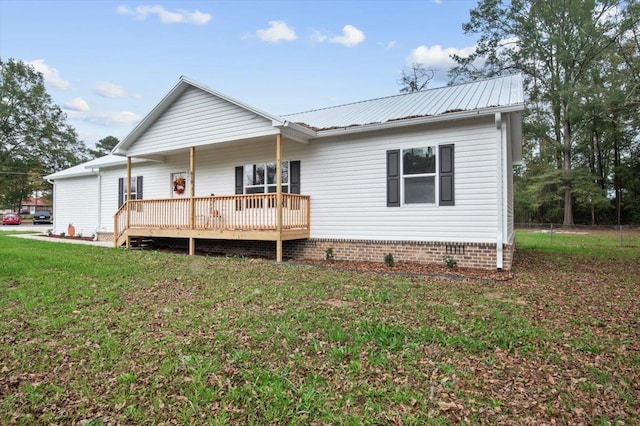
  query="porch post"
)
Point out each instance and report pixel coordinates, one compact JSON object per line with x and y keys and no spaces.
{"x":279,"y":197}
{"x":192,"y":192}
{"x":128,"y":183}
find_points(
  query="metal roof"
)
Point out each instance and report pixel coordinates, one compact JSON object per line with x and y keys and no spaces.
{"x":90,"y":167}
{"x":493,"y":93}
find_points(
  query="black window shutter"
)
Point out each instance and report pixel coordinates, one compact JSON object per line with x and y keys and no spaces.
{"x":447,"y":193}
{"x":393,"y":178}
{"x":120,"y":192}
{"x":139,"y":188}
{"x":239,"y":185}
{"x":239,"y":178}
{"x":294,"y":177}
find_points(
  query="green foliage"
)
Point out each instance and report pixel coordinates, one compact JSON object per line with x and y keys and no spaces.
{"x":450,"y":262}
{"x":104,"y":146}
{"x":35,"y":139}
{"x":581,"y":62}
{"x":388,"y":260}
{"x":329,"y":254}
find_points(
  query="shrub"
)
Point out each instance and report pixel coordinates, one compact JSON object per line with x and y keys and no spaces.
{"x":329,"y":254}
{"x":388,"y":260}
{"x":450,"y":262}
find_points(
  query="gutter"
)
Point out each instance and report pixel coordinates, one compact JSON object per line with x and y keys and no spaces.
{"x":416,"y":121}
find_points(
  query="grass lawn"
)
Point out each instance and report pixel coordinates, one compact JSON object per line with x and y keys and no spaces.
{"x":101,"y":336}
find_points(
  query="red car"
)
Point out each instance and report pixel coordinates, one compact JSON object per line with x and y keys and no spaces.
{"x":11,"y":219}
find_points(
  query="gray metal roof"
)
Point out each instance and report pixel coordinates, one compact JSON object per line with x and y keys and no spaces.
{"x":477,"y":95}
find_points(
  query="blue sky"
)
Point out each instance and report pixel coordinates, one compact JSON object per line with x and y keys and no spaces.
{"x":107,"y":64}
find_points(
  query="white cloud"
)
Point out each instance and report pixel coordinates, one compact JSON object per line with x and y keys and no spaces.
{"x":437,"y":1}
{"x":351,"y":36}
{"x":277,"y":31}
{"x":77,"y":104}
{"x":111,"y":118}
{"x":50,"y":74}
{"x":436,"y":57}
{"x":180,"y":16}
{"x":110,"y":90}
{"x":115,"y":118}
{"x":317,"y":37}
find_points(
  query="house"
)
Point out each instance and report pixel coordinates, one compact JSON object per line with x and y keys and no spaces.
{"x":30,"y":205}
{"x":422,"y":176}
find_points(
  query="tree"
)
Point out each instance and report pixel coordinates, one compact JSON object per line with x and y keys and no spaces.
{"x":34,"y":136}
{"x":416,"y":80}
{"x":104,"y":146}
{"x":555,"y":44}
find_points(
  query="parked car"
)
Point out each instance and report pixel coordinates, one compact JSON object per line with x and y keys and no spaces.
{"x":41,"y":216}
{"x":11,"y":219}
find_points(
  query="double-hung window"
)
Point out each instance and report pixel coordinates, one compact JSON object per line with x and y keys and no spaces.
{"x":136,"y":189}
{"x":419,"y":175}
{"x":261,"y":178}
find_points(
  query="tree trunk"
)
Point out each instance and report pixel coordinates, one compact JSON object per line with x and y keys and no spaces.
{"x":566,"y":165}
{"x":616,"y":174}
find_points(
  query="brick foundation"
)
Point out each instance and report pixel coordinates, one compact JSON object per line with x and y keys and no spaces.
{"x":468,"y":255}
{"x":105,"y":236}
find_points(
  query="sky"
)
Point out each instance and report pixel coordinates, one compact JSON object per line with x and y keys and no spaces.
{"x":108,"y":63}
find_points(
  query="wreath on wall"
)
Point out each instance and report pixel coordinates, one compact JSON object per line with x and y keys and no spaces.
{"x":179,"y":185}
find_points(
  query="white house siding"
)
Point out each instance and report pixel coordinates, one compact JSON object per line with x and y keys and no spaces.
{"x":346,"y":179}
{"x":198,"y":118}
{"x":76,"y":202}
{"x":347,"y":183}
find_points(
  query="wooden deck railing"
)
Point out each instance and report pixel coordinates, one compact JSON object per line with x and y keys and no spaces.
{"x":255,"y":212}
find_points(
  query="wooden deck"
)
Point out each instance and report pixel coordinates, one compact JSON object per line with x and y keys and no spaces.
{"x":233,"y":217}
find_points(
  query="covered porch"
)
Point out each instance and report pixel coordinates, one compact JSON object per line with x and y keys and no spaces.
{"x":274,"y":216}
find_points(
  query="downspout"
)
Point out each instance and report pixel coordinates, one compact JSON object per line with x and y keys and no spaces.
{"x":500,"y":192}
{"x":95,"y":234}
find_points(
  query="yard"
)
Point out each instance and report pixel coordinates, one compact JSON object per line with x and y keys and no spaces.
{"x":100,"y":336}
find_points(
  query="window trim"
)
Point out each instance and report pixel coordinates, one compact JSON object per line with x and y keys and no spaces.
{"x":444,"y":185}
{"x":403,"y":176}
{"x":266,"y":185}
{"x":122,"y":189}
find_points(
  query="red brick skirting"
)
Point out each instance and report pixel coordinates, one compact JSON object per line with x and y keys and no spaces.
{"x":468,"y":255}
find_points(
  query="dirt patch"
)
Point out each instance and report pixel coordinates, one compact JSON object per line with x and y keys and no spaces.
{"x":411,"y":268}
{"x":338,"y":303}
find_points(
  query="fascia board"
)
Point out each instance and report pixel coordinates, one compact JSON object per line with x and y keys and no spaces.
{"x":417,"y":121}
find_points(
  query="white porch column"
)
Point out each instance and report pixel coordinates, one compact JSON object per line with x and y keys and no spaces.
{"x":128,"y":183}
{"x":192,"y":193}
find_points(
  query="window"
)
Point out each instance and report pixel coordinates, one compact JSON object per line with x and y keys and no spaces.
{"x":419,"y":175}
{"x":136,"y":189}
{"x":261,"y":178}
{"x":413,"y":174}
